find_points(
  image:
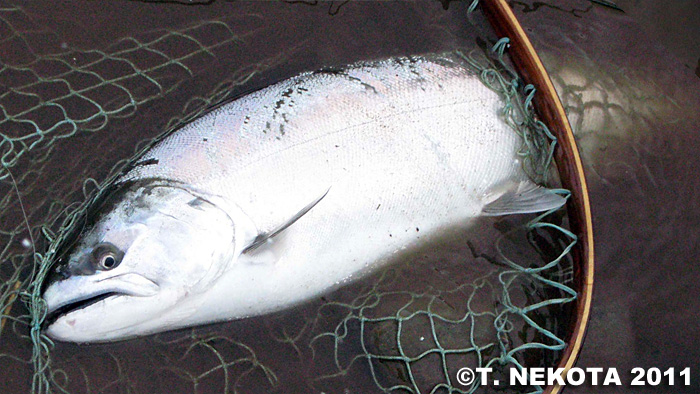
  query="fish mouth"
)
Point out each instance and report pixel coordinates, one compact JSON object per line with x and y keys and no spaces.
{"x":75,"y":306}
{"x":82,"y":291}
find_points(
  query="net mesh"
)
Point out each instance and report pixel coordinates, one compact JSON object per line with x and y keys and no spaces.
{"x":406,"y":329}
{"x":504,"y":286}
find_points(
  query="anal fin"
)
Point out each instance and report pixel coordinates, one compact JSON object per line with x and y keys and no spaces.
{"x":523,"y":197}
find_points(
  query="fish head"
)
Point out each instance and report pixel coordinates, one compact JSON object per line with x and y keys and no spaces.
{"x":139,"y":268}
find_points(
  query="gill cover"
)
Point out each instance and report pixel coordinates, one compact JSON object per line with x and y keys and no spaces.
{"x":132,"y":267}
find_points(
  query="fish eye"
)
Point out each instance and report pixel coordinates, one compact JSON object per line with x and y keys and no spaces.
{"x":108,"y":261}
{"x":106,"y":256}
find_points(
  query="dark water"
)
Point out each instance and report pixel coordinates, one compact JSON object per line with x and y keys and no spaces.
{"x":675,"y":25}
{"x":635,"y":109}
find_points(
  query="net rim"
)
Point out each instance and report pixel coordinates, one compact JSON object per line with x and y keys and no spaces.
{"x":549,"y":108}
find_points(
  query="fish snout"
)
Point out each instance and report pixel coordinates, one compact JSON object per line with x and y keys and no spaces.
{"x":77,"y":292}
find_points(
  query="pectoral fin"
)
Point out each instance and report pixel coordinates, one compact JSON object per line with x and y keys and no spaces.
{"x":266,"y":238}
{"x":524,"y":197}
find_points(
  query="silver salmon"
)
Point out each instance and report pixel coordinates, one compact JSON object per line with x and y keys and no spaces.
{"x":288,"y":192}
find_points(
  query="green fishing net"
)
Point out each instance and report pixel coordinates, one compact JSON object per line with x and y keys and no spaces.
{"x":75,"y":110}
